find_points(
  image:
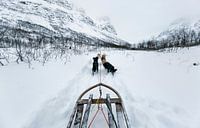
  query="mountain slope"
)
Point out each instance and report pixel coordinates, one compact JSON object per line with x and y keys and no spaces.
{"x":53,"y":18}
{"x":187,"y":24}
{"x":184,"y":32}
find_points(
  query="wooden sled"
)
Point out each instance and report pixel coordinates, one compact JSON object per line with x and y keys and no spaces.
{"x":87,"y":110}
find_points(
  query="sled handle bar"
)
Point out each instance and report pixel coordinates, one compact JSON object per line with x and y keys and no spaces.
{"x":97,"y":85}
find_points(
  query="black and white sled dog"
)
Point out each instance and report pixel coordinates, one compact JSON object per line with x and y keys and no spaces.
{"x":109,"y":67}
{"x":95,"y":66}
{"x":196,"y":64}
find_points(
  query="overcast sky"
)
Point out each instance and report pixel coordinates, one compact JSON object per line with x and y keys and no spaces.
{"x":136,"y":20}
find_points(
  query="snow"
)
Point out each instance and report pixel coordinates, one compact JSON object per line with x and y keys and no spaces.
{"x":24,"y":17}
{"x":34,"y":19}
{"x":159,"y":89}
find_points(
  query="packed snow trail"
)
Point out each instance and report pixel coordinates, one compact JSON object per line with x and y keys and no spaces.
{"x":153,"y":86}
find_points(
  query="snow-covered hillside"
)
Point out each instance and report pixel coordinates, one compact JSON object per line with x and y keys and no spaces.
{"x":160,"y":90}
{"x":53,"y":18}
{"x":188,"y":24}
{"x":184,"y":32}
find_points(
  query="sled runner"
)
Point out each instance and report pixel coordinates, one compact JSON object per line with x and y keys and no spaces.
{"x":99,"y":111}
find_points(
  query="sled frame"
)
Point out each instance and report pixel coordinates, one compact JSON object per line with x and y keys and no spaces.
{"x":79,"y":117}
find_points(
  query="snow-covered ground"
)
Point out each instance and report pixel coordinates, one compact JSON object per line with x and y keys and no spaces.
{"x":160,"y":90}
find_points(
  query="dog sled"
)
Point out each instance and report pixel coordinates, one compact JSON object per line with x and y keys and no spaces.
{"x":99,"y":110}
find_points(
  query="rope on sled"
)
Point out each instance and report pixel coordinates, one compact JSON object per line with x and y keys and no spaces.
{"x":99,"y":109}
{"x":100,"y":91}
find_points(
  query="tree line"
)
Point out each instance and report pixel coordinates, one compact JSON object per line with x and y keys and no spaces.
{"x":24,"y":45}
{"x":183,"y":37}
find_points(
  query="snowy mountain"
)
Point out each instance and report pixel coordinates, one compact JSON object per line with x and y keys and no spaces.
{"x":105,"y":25}
{"x":31,"y":19}
{"x":187,"y":24}
{"x":183,"y":32}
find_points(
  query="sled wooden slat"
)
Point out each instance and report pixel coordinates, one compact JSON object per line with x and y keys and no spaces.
{"x":72,"y":117}
{"x":79,"y":114}
{"x":126,"y":117}
{"x":99,"y":101}
{"x":119,"y":112}
{"x":110,"y":116}
{"x":87,"y":112}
